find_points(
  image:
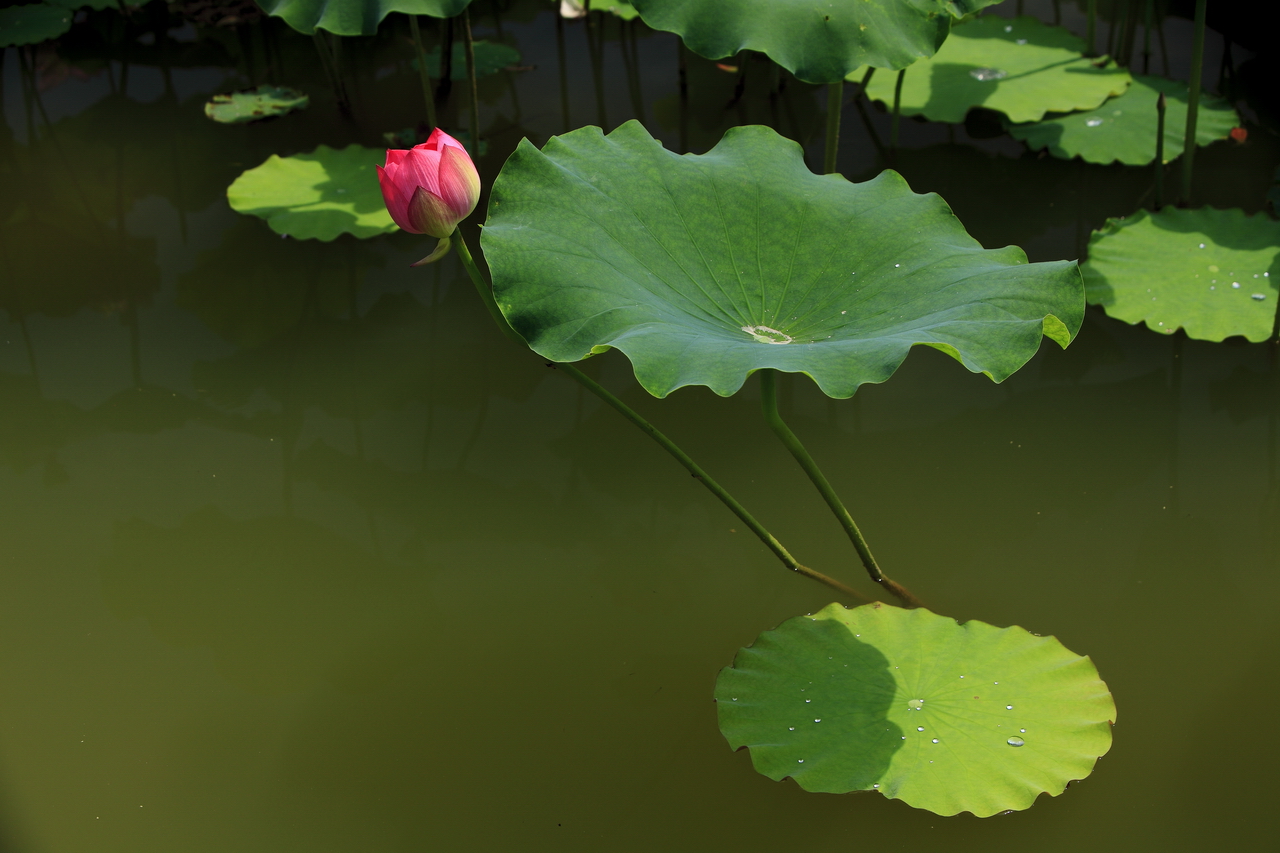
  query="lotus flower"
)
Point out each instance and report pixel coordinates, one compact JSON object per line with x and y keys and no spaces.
{"x":430,"y":188}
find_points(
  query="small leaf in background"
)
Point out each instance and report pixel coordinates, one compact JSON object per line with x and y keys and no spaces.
{"x":33,"y":24}
{"x":1210,"y":272}
{"x":946,"y":717}
{"x":491,"y":57}
{"x":1124,"y":128}
{"x":255,"y":104}
{"x":705,"y":268}
{"x":1019,"y":67}
{"x":316,"y":196}
{"x":816,"y":40}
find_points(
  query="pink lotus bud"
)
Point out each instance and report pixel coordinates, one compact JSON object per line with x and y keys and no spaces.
{"x":431,"y":187}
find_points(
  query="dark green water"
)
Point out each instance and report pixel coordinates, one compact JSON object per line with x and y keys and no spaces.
{"x":300,"y":554}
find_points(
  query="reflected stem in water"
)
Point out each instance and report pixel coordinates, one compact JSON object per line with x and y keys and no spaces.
{"x":474,"y":105}
{"x":424,"y":75}
{"x":835,"y":101}
{"x":769,"y":403}
{"x":770,"y":542}
{"x":1193,"y":101}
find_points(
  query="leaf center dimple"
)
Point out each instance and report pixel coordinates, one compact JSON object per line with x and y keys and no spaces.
{"x":766,"y":335}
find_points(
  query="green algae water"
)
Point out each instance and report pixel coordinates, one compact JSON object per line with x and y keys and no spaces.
{"x":300,"y":554}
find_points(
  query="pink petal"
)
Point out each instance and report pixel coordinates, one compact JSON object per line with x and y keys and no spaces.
{"x":395,"y":199}
{"x":459,"y":181}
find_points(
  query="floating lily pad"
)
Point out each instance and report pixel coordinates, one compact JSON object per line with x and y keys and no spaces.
{"x":255,"y":104}
{"x":704,"y":268}
{"x":1124,"y":129}
{"x":32,"y":24}
{"x":816,"y":40}
{"x":1020,"y":67}
{"x":1210,"y":272}
{"x":491,"y":57}
{"x":353,"y":17}
{"x":316,"y":196}
{"x":946,"y":717}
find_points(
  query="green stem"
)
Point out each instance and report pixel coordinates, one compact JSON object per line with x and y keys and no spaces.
{"x":897,"y":111}
{"x":769,"y":402}
{"x":1193,"y":101}
{"x":486,"y":295}
{"x":471,"y":80}
{"x":425,"y":76}
{"x":701,"y":476}
{"x":1091,"y":33}
{"x":835,"y":99}
{"x":483,"y":288}
{"x":1160,"y":110}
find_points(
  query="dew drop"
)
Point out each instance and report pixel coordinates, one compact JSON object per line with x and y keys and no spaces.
{"x":1236,"y":285}
{"x":1259,"y":296}
{"x":791,"y":728}
{"x":807,"y":701}
{"x":1202,"y":245}
{"x":919,"y":728}
{"x":935,"y":740}
{"x":1015,"y":741}
{"x":801,"y":760}
{"x":818,"y":720}
{"x":1008,"y":28}
{"x":915,"y":704}
{"x":1022,"y":41}
{"x":1008,"y":707}
{"x":876,"y":785}
{"x":1093,"y":122}
{"x":987,"y":74}
{"x":1024,"y":731}
{"x":895,"y":266}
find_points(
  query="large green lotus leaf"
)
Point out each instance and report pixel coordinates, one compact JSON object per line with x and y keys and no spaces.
{"x":1124,"y":129}
{"x":33,"y":24}
{"x":946,"y":717}
{"x":255,"y":104}
{"x":816,"y":40}
{"x":1019,"y":67}
{"x":1211,"y":272}
{"x":353,"y":17}
{"x":316,"y":196}
{"x":704,"y":268}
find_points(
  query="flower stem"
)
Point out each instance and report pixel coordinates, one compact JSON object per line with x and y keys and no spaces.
{"x":897,"y":112}
{"x":769,"y":402}
{"x":835,"y":100}
{"x":423,"y":73}
{"x":770,"y":542}
{"x":701,"y":476}
{"x":1193,"y":101}
{"x":483,"y":288}
{"x":471,"y":82}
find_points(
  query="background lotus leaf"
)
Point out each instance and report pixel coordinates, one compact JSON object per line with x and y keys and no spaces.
{"x":32,"y":24}
{"x":316,"y":196}
{"x":946,"y":717}
{"x":491,"y":57}
{"x":255,"y":104}
{"x":817,"y":41}
{"x":1124,"y":128}
{"x":1019,"y":67}
{"x":704,"y":268}
{"x":353,"y":17}
{"x":1210,"y":272}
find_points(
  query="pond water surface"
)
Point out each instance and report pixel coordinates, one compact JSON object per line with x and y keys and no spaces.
{"x":301,"y":554}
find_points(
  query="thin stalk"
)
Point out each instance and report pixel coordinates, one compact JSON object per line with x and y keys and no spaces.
{"x":1091,"y":33}
{"x":835,"y":100}
{"x":1160,"y":110}
{"x":562,"y":66}
{"x":1193,"y":101}
{"x":423,"y":74}
{"x":897,"y":112}
{"x":769,"y":402}
{"x":484,"y":289}
{"x":470,"y":46}
{"x":1147,"y":12}
{"x":770,"y":542}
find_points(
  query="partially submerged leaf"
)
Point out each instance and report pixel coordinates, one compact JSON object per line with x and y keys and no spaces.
{"x":1210,"y":272}
{"x":816,"y":40}
{"x":705,"y":268}
{"x":1124,"y":129}
{"x":491,"y":57}
{"x":316,"y":196}
{"x":255,"y":104}
{"x":1019,"y":67}
{"x":944,"y":716}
